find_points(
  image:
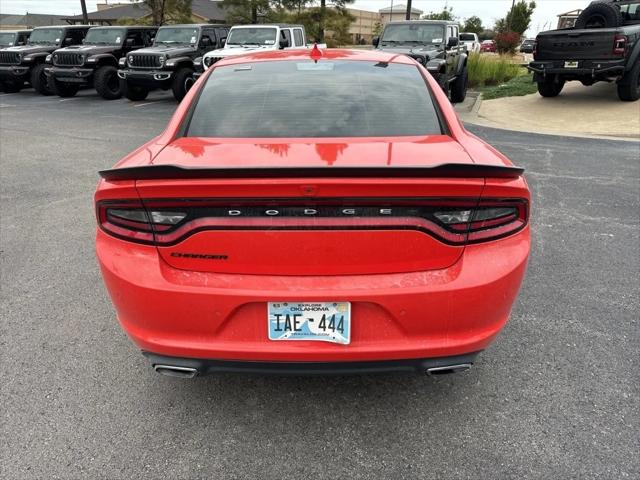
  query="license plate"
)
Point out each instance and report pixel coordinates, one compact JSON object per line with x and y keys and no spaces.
{"x":570,"y":64}
{"x":322,"y":321}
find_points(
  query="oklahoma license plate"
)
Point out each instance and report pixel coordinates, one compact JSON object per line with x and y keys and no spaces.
{"x":324,"y":321}
{"x":570,"y":64}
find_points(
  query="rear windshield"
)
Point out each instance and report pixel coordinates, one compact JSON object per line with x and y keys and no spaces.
{"x":467,"y":37}
{"x":310,"y":100}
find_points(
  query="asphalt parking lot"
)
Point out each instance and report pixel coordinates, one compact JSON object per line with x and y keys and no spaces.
{"x":556,"y":396}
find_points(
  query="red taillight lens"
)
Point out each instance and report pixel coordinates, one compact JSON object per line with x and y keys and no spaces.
{"x":129,"y":220}
{"x":454,"y":221}
{"x":620,"y":45}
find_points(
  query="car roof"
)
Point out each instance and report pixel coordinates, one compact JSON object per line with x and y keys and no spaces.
{"x":327,"y":54}
{"x":418,"y":22}
{"x":66,"y":26}
{"x":194,"y":25}
{"x":281,"y":25}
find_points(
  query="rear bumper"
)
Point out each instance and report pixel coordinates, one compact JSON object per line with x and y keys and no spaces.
{"x":14,"y":73}
{"x":71,"y":74}
{"x":586,"y":68}
{"x":191,"y":367}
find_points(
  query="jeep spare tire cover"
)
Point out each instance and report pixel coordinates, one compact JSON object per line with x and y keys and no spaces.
{"x":600,"y":15}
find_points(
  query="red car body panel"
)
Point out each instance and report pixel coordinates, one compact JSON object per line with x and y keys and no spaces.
{"x":412,"y":295}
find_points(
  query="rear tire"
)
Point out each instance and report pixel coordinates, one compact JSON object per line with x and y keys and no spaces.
{"x":459,"y":87}
{"x":629,"y":86}
{"x":550,"y":88}
{"x":107,"y":83}
{"x":600,"y":15}
{"x":178,"y":85}
{"x":134,"y":93}
{"x":39,"y":80}
{"x":62,"y":89}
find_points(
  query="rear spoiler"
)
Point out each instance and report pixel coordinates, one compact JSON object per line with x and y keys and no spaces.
{"x":172,"y":172}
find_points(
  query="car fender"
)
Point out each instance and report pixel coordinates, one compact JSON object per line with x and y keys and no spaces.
{"x":437,"y":66}
{"x":38,"y":57}
{"x":462,"y":63}
{"x":107,"y":58}
{"x":633,"y":57}
{"x":178,"y":62}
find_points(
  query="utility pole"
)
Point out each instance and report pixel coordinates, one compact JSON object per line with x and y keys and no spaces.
{"x":408,"y":16}
{"x":85,"y":17}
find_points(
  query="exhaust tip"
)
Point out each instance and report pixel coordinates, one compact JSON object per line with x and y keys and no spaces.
{"x":448,"y":369}
{"x":175,"y":371}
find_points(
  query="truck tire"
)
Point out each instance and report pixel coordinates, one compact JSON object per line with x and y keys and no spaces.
{"x":629,"y":85}
{"x":134,"y":92}
{"x":107,"y":82}
{"x":39,"y":80}
{"x":178,"y":85}
{"x":459,"y":87}
{"x":11,"y":87}
{"x":549,"y":87}
{"x":600,"y":15}
{"x":62,"y":89}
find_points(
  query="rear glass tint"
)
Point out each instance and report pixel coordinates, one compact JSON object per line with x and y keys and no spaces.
{"x":307,"y":99}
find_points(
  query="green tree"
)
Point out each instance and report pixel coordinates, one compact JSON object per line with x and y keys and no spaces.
{"x":245,"y":11}
{"x":473,"y":25}
{"x":518,"y":19}
{"x":445,"y":14}
{"x":168,"y":11}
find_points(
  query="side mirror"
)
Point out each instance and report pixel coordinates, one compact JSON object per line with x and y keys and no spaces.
{"x":205,"y":42}
{"x":453,"y":42}
{"x":223,"y":41}
{"x":284,"y":43}
{"x":68,"y":41}
{"x":375,"y":41}
{"x":129,"y":42}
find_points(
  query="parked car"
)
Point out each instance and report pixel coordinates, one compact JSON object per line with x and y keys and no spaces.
{"x":250,"y":38}
{"x":95,"y":62}
{"x":313,"y":212}
{"x":527,"y":46}
{"x":434,"y":44}
{"x":14,"y":38}
{"x":488,"y":46}
{"x":169,"y":63}
{"x":470,"y":42}
{"x":604,"y":46}
{"x":26,"y":63}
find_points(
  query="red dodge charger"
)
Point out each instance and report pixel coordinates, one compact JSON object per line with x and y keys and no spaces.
{"x":313,"y":212}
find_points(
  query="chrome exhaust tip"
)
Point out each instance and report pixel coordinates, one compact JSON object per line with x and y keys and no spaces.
{"x":448,"y":369}
{"x":175,"y":371}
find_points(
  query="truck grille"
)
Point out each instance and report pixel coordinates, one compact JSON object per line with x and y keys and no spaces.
{"x":9,"y":58}
{"x":143,"y":61}
{"x":66,"y":58}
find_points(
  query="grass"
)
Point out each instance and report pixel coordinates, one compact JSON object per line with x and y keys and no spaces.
{"x":516,"y":87}
{"x":487,"y":70}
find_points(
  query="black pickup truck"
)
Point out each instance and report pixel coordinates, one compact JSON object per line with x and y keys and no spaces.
{"x":436,"y":45}
{"x":95,"y":62}
{"x":603,"y":46}
{"x":169,"y":63}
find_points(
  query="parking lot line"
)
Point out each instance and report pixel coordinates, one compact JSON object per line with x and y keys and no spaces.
{"x":143,"y":104}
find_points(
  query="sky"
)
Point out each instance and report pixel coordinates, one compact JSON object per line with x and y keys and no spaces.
{"x":488,"y":10}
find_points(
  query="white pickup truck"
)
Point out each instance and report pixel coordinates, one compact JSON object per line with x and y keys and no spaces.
{"x":255,"y":38}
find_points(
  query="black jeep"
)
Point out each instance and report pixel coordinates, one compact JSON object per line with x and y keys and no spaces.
{"x":14,"y":38}
{"x":168,"y":64}
{"x":434,"y":44}
{"x":26,"y":63}
{"x":95,"y":62}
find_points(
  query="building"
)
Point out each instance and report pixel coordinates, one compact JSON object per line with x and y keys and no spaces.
{"x":202,"y":11}
{"x":568,"y":20}
{"x":28,"y":21}
{"x":398,"y":13}
{"x":363,"y":28}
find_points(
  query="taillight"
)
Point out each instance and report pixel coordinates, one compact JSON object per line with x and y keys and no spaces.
{"x":130,"y":220}
{"x":620,"y":45}
{"x":454,"y":221}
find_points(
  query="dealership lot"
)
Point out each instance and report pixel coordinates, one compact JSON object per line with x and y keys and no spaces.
{"x":556,"y":396}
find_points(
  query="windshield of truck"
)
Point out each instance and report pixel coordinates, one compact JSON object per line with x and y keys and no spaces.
{"x":46,"y":36}
{"x":308,"y":100}
{"x":252,"y":36}
{"x":7,"y":38}
{"x":416,"y":34}
{"x":169,"y":35}
{"x":467,"y":37}
{"x":105,"y":36}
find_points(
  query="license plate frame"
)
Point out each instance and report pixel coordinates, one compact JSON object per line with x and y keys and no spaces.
{"x":571,"y":64}
{"x":312,"y":321}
